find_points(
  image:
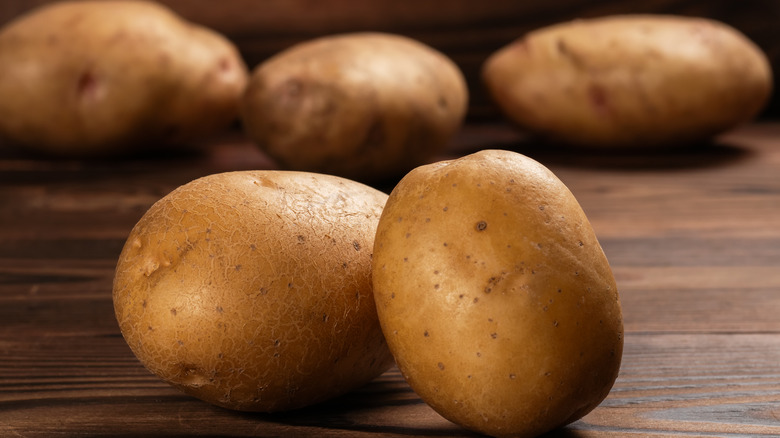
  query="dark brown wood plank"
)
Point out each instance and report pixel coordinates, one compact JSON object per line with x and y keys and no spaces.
{"x":670,"y":384}
{"x":693,"y":237}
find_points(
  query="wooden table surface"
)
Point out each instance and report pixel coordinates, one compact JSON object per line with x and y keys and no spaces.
{"x":693,"y":237}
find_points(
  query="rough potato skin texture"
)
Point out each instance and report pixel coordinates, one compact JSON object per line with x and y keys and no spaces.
{"x":84,"y":78}
{"x":251,"y":290}
{"x":366,"y":106}
{"x":494,"y":295}
{"x":630,"y":81}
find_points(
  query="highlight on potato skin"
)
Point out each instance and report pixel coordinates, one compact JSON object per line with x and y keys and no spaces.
{"x":101,"y":78}
{"x":251,"y":290}
{"x":630,"y":81}
{"x":494,"y":295}
{"x":367,"y":106}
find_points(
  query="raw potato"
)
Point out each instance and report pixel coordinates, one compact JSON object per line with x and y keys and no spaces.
{"x":251,"y":290}
{"x":630,"y":81}
{"x":101,"y":77}
{"x":366,"y":106}
{"x":494,"y":295}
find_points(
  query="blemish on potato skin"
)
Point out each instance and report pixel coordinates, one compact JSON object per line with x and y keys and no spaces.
{"x":597,"y":95}
{"x":441,"y":366}
{"x":87,"y":85}
{"x":481,"y":226}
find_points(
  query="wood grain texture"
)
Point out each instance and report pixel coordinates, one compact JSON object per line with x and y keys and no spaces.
{"x":693,"y":236}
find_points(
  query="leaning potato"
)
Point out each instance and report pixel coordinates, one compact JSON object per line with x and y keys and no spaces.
{"x":494,"y":295}
{"x":630,"y":81}
{"x":251,"y":290}
{"x":98,"y":77}
{"x":365,"y":105}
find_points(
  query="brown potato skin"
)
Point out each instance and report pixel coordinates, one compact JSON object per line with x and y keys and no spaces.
{"x":495,"y":296}
{"x":251,"y":290}
{"x":83,"y":78}
{"x":366,"y":106}
{"x":630,"y":81}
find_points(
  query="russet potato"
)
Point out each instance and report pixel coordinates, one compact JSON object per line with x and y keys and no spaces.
{"x":366,"y":106}
{"x":251,"y":290}
{"x":84,"y":78}
{"x":495,"y":296}
{"x":630,"y":81}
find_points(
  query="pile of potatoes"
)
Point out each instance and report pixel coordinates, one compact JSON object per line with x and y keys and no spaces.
{"x":101,"y":78}
{"x":274,"y":290}
{"x":480,"y":277}
{"x":85,"y":78}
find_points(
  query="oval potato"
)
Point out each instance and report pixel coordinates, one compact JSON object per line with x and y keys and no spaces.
{"x":366,"y":106}
{"x":84,"y":78}
{"x":495,"y":296}
{"x":251,"y":290}
{"x":630,"y":81}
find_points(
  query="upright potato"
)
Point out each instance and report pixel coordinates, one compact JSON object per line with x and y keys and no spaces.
{"x":495,"y":296}
{"x":252,"y":291}
{"x":365,"y":106}
{"x":98,"y":77}
{"x":630,"y":81}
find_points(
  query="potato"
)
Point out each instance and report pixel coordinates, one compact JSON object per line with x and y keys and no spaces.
{"x":367,"y":106}
{"x":105,"y":77}
{"x":251,"y":290}
{"x":495,"y":296}
{"x":630,"y":81}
